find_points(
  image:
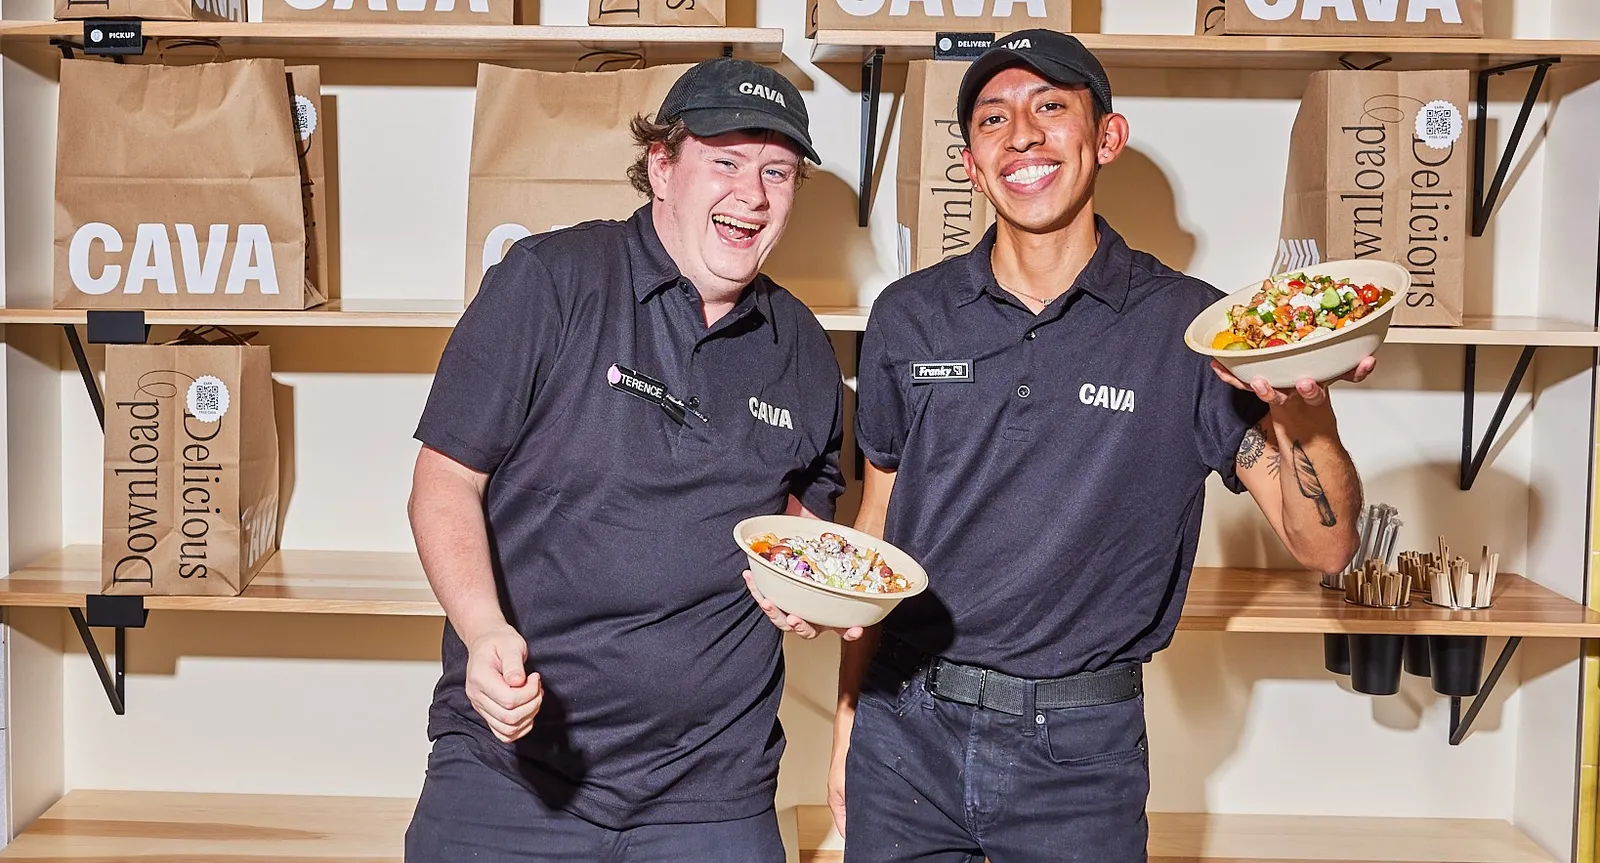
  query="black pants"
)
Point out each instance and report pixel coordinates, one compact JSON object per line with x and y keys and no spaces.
{"x":468,"y":812}
{"x":933,"y":781}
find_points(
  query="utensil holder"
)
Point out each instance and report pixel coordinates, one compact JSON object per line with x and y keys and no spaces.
{"x":1457,"y":662}
{"x":1336,"y":653}
{"x":1417,"y":661}
{"x":1375,"y":662}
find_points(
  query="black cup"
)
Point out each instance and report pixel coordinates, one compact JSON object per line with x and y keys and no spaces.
{"x":1457,"y":663}
{"x":1417,"y":663}
{"x":1375,"y":663}
{"x":1336,"y":653}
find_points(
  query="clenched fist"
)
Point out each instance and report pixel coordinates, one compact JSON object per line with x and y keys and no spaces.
{"x":505,"y":695}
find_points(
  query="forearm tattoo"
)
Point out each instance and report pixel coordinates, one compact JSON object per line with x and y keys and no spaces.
{"x":1254,"y":448}
{"x":1251,"y":448}
{"x":1305,"y":475}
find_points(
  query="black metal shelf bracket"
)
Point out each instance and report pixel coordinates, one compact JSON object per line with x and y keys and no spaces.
{"x":106,"y":327}
{"x":1483,"y":205}
{"x":120,"y":613}
{"x":1472,"y":462}
{"x":871,"y":89}
{"x":1461,"y":723}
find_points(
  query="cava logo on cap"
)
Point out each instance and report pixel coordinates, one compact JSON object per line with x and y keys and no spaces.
{"x":750,"y":88}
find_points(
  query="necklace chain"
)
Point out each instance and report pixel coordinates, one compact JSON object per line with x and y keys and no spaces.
{"x":1040,"y":301}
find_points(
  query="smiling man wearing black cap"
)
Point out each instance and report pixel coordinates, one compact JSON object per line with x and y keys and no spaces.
{"x":1054,"y":494}
{"x":617,"y":396}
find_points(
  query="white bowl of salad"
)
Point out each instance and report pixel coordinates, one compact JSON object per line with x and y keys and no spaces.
{"x":826,"y":573}
{"x":1317,"y":322}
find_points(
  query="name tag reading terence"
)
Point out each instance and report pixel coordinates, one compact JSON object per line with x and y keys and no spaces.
{"x":635,"y":384}
{"x":643,"y":386}
{"x":942,"y":372}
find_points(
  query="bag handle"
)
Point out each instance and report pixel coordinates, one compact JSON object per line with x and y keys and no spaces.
{"x":211,"y":335}
{"x":633,"y":59}
{"x":218,"y":54}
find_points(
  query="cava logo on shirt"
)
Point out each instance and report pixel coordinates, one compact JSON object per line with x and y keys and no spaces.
{"x":770,"y":415}
{"x":1103,"y":396}
{"x":942,"y":372}
{"x":936,"y":8}
{"x":752,"y":89}
{"x":153,"y":259}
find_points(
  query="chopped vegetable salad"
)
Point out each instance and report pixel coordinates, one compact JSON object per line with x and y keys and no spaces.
{"x":1295,"y":308}
{"x":832,"y":560}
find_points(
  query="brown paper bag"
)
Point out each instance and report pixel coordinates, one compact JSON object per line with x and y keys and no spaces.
{"x":191,"y":468}
{"x":1458,"y":18}
{"x":940,"y":214}
{"x":152,"y":10}
{"x":964,"y":16}
{"x":305,"y":104}
{"x":550,"y":150}
{"x":392,"y":11}
{"x":1380,"y":166}
{"x":178,"y":188}
{"x":663,"y":13}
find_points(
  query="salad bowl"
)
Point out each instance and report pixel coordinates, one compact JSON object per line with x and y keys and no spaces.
{"x":813,"y":600}
{"x":1292,"y":353}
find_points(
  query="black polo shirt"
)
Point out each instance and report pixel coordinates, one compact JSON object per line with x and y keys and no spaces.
{"x":611,"y":523}
{"x":1050,"y":469}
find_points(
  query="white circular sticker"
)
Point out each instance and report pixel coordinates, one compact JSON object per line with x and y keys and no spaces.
{"x":944,"y":43}
{"x":208,"y":399}
{"x":1439,"y":124}
{"x":305,"y":117}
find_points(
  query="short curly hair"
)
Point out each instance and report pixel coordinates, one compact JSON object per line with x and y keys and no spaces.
{"x":647,"y":132}
{"x":671,"y":136}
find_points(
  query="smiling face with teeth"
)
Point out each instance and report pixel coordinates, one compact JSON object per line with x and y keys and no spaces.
{"x":721,"y":206}
{"x":1035,"y":149}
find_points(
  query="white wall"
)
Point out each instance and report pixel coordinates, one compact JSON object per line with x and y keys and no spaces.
{"x":336,"y":705}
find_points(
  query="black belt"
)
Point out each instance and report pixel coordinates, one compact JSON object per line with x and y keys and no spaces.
{"x":982,"y":687}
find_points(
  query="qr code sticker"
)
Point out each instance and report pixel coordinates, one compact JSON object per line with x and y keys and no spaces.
{"x":1439,"y":124}
{"x":208,"y":399}
{"x":305,"y":117}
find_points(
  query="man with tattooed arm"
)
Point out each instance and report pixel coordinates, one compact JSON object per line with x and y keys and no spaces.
{"x":1039,"y":437}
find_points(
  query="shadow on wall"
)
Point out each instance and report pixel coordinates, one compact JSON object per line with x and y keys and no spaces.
{"x":172,"y":637}
{"x":283,"y":416}
{"x":1134,"y":195}
{"x":330,"y":167}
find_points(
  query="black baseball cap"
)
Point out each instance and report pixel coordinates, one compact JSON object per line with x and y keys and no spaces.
{"x":715,"y":97}
{"x":1058,"y":57}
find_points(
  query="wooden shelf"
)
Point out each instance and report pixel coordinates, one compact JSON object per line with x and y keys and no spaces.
{"x":299,"y":582}
{"x":1235,"y":52}
{"x":1267,"y":600}
{"x":103,"y":826}
{"x":1220,"y":599}
{"x":352,"y":313}
{"x":1501,"y":331}
{"x":436,"y":41}
{"x":116,"y":826}
{"x":1482,"y":331}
